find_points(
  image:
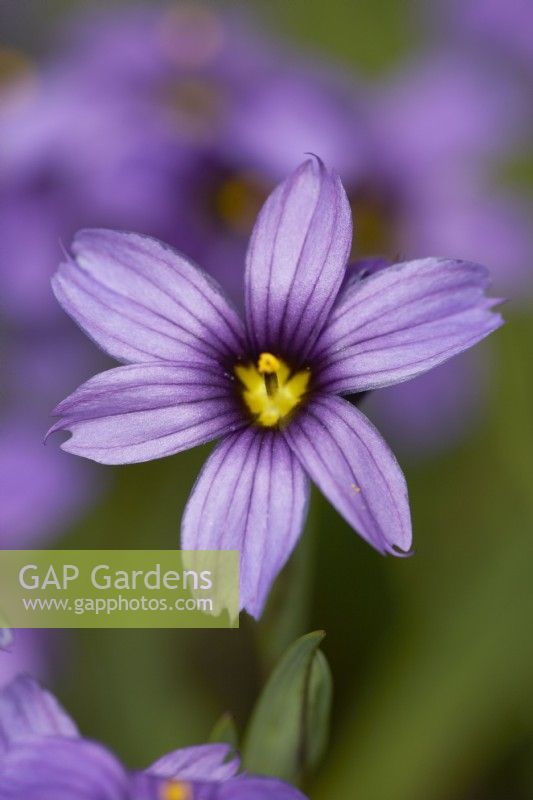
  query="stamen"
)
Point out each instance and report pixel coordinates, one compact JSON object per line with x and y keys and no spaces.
{"x":268,"y":364}
{"x":270,"y":391}
{"x":271,"y":383}
{"x":176,"y":790}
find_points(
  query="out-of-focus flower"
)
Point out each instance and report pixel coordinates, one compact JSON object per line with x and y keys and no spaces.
{"x":44,"y":757}
{"x":39,"y":352}
{"x":499,"y":27}
{"x":21,"y":651}
{"x":442,"y":127}
{"x":207,"y":92}
{"x":195,"y":372}
{"x":41,"y":493}
{"x":6,"y":638}
{"x":65,"y":158}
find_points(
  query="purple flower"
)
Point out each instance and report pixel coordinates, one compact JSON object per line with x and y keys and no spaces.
{"x":43,"y":757}
{"x":70,"y":157}
{"x":269,"y":387}
{"x":254,"y":107}
{"x":198,"y":117}
{"x":182,"y":93}
{"x":499,"y":26}
{"x":41,"y":493}
{"x":455,"y":121}
{"x":22,"y":651}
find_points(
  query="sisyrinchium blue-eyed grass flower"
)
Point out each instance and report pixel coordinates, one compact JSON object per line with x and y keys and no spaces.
{"x":196,"y":122}
{"x":44,"y":757}
{"x":270,"y":387}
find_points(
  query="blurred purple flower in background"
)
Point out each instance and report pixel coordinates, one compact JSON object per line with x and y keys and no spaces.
{"x":226,"y":114}
{"x":21,"y":651}
{"x":271,"y":389}
{"x":501,"y":27}
{"x":40,"y":353}
{"x":440,"y":127}
{"x":40,"y":492}
{"x":43,"y":757}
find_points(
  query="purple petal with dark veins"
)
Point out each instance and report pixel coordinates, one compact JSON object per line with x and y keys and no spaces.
{"x":145,"y":411}
{"x":296,"y":260}
{"x":27,"y":711}
{"x":203,"y":762}
{"x":354,"y":468}
{"x":402,"y":321}
{"x":251,"y":496}
{"x":141,"y":301}
{"x":62,"y":769}
{"x":363,"y":268}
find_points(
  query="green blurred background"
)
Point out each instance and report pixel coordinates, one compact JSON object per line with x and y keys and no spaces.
{"x":432,"y":656}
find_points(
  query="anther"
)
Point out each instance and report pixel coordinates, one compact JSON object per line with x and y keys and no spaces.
{"x":176,"y":790}
{"x":267,"y":364}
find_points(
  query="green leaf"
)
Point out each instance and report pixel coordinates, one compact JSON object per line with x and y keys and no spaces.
{"x":289,"y":727}
{"x":225,"y":731}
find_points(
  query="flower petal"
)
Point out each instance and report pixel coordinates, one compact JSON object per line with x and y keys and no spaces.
{"x":28,"y":652}
{"x":62,"y":769}
{"x":256,"y":788}
{"x":251,"y":495}
{"x":201,"y":763}
{"x":28,"y":711}
{"x":243,"y":787}
{"x":352,"y":465}
{"x":296,"y":260}
{"x":145,"y":411}
{"x":42,"y":491}
{"x":402,"y":321}
{"x":141,"y":301}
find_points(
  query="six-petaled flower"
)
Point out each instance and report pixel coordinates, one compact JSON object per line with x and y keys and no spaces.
{"x":270,"y":387}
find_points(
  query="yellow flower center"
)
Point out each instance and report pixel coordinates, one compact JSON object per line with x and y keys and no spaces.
{"x":269,"y":390}
{"x":176,"y":790}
